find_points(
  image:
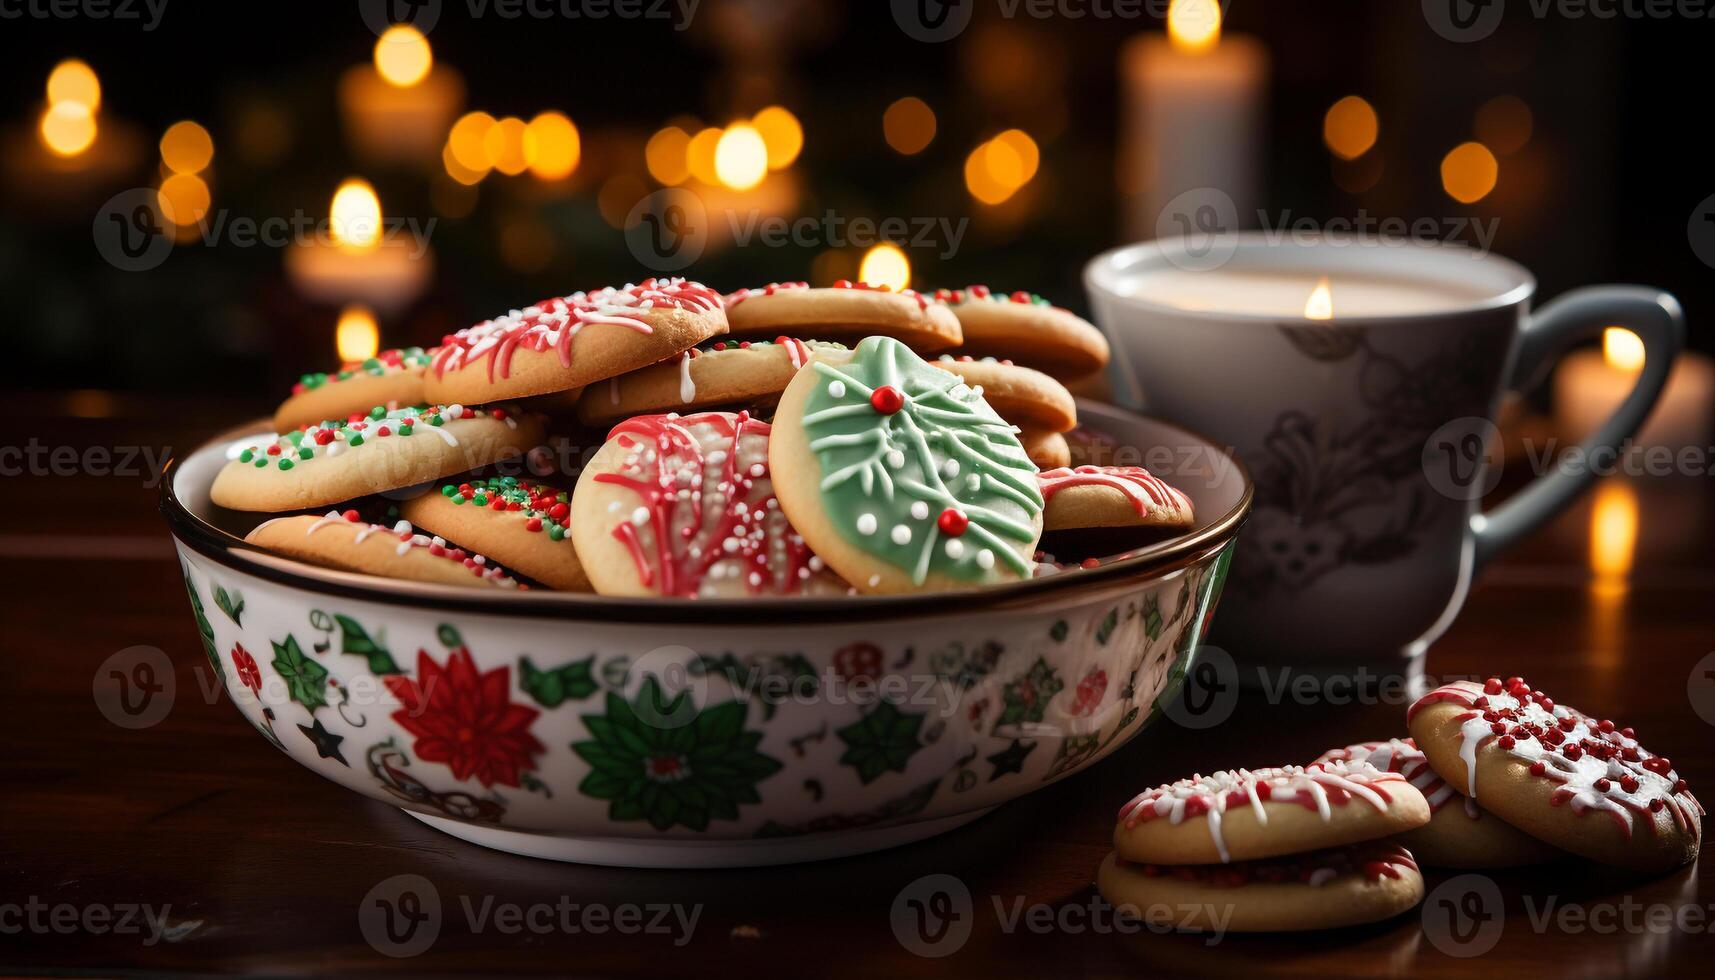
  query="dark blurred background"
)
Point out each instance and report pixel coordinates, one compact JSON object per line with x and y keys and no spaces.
{"x":1591,"y":127}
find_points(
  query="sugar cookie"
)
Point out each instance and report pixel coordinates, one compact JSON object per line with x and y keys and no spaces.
{"x":1240,"y":814}
{"x":900,"y":476}
{"x":846,"y":311}
{"x":345,"y":541}
{"x":566,"y":343}
{"x":1027,"y":328}
{"x":1581,"y":784}
{"x":521,"y":523}
{"x":1047,"y":450}
{"x":336,"y":461}
{"x":740,"y":373}
{"x":1027,"y":398}
{"x":1324,"y":889}
{"x":391,"y":378}
{"x":1111,"y":496}
{"x":684,"y":506}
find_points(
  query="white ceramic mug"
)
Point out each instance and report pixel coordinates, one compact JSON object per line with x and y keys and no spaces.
{"x":1369,"y":434}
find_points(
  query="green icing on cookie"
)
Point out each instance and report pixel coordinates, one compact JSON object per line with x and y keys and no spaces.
{"x":917,"y":469}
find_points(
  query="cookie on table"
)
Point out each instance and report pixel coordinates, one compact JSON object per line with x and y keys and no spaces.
{"x":346,"y":542}
{"x":391,"y":378}
{"x":1325,"y":889}
{"x":1028,"y":329}
{"x":1045,"y":448}
{"x":1242,"y":814}
{"x":683,"y":505}
{"x":523,"y":524}
{"x":900,"y":476}
{"x":572,"y":341}
{"x":1583,"y":784}
{"x":1459,"y":834}
{"x":1111,"y":496}
{"x":335,"y":461}
{"x":713,"y":374}
{"x":846,"y":311}
{"x":1027,"y":398}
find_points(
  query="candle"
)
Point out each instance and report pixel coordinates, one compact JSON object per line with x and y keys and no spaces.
{"x":358,"y":262}
{"x":400,"y":108}
{"x":1193,"y":104}
{"x":1263,"y":292}
{"x":1591,"y":383}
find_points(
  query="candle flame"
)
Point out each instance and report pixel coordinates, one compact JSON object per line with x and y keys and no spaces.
{"x":1622,"y":349}
{"x":1194,"y":26}
{"x":354,"y":220}
{"x":357,"y":336}
{"x":885,"y":265}
{"x":1613,"y":533}
{"x":1320,"y":305}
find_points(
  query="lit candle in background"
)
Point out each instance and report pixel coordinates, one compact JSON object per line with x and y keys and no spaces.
{"x":1193,"y":114}
{"x":360,"y":261}
{"x":71,"y":149}
{"x":399,"y":108}
{"x":356,"y":337}
{"x":1589,"y":384}
{"x":885,"y":265}
{"x":1320,"y":305}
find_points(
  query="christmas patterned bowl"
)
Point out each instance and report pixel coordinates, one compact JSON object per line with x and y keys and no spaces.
{"x":708,"y":733}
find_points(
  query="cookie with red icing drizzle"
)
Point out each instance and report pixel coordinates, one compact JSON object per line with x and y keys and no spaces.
{"x":1459,"y":833}
{"x":1580,"y":783}
{"x":846,"y":311}
{"x":568,"y":342}
{"x":1111,"y":496}
{"x":1242,"y":814}
{"x":684,"y":506}
{"x":1323,"y":889}
{"x":1028,"y":329}
{"x":343,"y":540}
{"x":714,"y":374}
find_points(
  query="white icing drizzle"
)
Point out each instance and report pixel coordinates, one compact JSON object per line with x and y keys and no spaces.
{"x":687,"y":387}
{"x":1402,"y":755}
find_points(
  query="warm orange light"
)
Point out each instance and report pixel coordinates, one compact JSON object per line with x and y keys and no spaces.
{"x":1194,"y":26}
{"x":467,"y":140}
{"x":403,"y":56}
{"x":885,"y":265}
{"x":1613,"y":532}
{"x":357,"y":336}
{"x":186,"y":148}
{"x":457,"y":170}
{"x":700,"y":155}
{"x":74,"y":81}
{"x":1350,"y":127}
{"x":1622,"y":349}
{"x":909,"y":125}
{"x":781,"y":134}
{"x":665,"y":155}
{"x":741,"y":157}
{"x":1023,"y":150}
{"x":1469,"y":172}
{"x":984,"y":174}
{"x":354,"y":220}
{"x":1503,"y":123}
{"x":553,"y":146}
{"x":503,"y":145}
{"x":1320,"y":305}
{"x":68,"y":128}
{"x":184,"y":199}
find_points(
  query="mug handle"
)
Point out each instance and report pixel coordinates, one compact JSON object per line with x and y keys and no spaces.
{"x":1656,"y":318}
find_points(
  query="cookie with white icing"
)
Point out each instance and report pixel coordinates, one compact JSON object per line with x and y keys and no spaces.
{"x":391,"y":379}
{"x":900,"y":476}
{"x":571,"y":341}
{"x":1242,"y":814}
{"x":346,"y":542}
{"x":1028,"y":329}
{"x":520,"y":522}
{"x":1025,"y":397}
{"x":683,"y":505}
{"x":1580,"y":783}
{"x":1459,"y":834}
{"x":1324,"y":889}
{"x":330,"y":462}
{"x":846,"y":311}
{"x":1111,"y":496}
{"x":714,"y":374}
{"x":1047,"y":449}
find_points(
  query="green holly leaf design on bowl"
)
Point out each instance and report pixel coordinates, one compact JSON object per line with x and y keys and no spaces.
{"x":1026,"y":697}
{"x":883,"y":740}
{"x":205,"y":630}
{"x":552,"y":688}
{"x":305,"y":679}
{"x":355,"y":640}
{"x":657,"y":759}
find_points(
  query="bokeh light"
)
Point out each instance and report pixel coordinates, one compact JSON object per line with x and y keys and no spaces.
{"x":1622,"y":349}
{"x":68,"y":128}
{"x":781,"y":134}
{"x":741,"y":157}
{"x":666,"y":154}
{"x":354,"y":220}
{"x":1469,"y":172}
{"x":1350,"y":127}
{"x":909,"y":125}
{"x":700,"y":155}
{"x":1024,"y":151}
{"x":186,"y":148}
{"x":184,"y":199}
{"x":1504,"y":124}
{"x":467,"y":141}
{"x":552,"y":146}
{"x":885,"y":265}
{"x":503,"y":145}
{"x":73,"y":80}
{"x":403,"y":56}
{"x":357,"y":337}
{"x":1194,"y":25}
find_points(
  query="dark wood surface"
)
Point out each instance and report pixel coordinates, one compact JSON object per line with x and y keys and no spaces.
{"x":260,"y":866}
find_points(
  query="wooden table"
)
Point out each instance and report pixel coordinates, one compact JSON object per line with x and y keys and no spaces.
{"x":253,"y":864}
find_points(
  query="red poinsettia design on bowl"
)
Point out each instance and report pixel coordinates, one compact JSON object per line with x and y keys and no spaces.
{"x":464,"y":719}
{"x":248,"y":673}
{"x":1089,"y":692}
{"x":858,"y":662}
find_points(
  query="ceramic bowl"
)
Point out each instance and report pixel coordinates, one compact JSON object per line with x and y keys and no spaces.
{"x":702,"y":733}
